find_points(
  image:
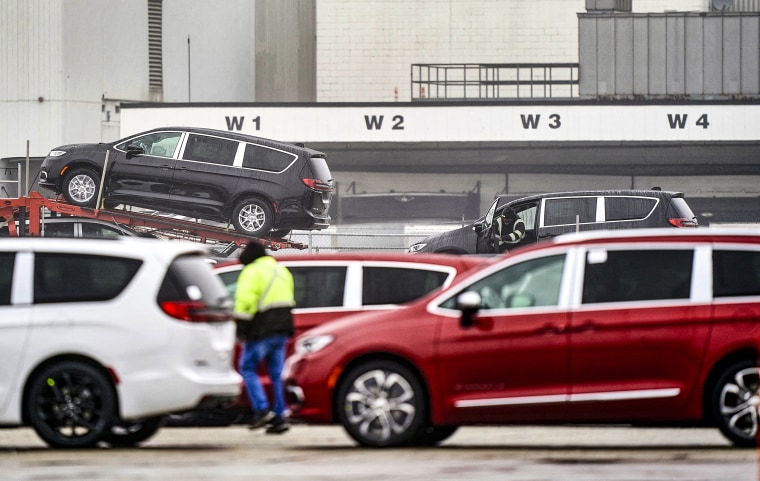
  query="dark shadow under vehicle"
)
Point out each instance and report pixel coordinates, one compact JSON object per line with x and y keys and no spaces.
{"x":261,"y":186}
{"x":549,"y":215}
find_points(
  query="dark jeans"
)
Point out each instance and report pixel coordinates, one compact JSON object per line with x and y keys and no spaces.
{"x":272,"y":351}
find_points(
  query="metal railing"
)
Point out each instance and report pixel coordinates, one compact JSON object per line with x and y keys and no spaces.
{"x":487,"y":81}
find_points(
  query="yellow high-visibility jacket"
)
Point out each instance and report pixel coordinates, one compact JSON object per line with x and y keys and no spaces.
{"x":262,"y":285}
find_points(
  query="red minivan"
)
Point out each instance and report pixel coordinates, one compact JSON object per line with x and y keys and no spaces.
{"x":640,"y":327}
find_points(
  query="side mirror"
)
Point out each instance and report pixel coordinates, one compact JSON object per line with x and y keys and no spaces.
{"x":478,"y":227}
{"x":469,"y":303}
{"x":133,"y":150}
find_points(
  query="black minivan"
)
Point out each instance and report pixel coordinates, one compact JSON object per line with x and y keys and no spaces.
{"x":264,"y":187}
{"x":549,"y":215}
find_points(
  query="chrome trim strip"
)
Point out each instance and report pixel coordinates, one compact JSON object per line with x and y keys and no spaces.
{"x":561,"y":398}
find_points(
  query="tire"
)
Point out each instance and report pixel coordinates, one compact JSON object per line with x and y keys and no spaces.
{"x":126,"y":434}
{"x":71,"y":404}
{"x":432,"y":435}
{"x":279,"y":233}
{"x":734,"y":403}
{"x":381,"y":404}
{"x":80,"y":187}
{"x":252,"y":217}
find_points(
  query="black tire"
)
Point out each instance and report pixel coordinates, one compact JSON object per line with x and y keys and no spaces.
{"x":381,"y":404}
{"x":252,"y":217}
{"x":279,"y":233}
{"x":80,"y":187}
{"x":71,"y":404}
{"x":734,"y":403}
{"x":126,"y":434}
{"x":432,"y":435}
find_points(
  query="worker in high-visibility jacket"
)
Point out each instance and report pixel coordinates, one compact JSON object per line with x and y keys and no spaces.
{"x":510,"y":230}
{"x":263,"y":302}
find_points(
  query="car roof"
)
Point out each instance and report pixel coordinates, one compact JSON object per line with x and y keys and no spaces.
{"x":232,"y":135}
{"x":593,"y":193}
{"x":699,"y":234}
{"x":125,"y":246}
{"x":458,"y":261}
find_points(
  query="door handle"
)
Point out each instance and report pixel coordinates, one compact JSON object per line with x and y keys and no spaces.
{"x":550,"y":329}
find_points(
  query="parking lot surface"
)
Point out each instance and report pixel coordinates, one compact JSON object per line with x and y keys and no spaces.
{"x":326,"y":453}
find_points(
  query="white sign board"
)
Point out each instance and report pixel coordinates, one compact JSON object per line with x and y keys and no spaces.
{"x":707,"y":122}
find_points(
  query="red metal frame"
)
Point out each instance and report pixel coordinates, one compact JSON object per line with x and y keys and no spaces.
{"x":35,"y":202}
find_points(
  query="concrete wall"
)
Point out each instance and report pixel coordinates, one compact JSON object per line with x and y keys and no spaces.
{"x":286,"y":64}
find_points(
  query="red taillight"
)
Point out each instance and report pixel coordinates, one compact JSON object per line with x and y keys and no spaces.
{"x":317,"y":184}
{"x":194,"y":311}
{"x":683,"y":222}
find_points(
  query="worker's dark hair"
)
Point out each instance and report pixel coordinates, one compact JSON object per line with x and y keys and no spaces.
{"x":253,"y":250}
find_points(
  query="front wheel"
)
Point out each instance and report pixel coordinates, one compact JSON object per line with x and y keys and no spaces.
{"x":126,"y":434}
{"x":252,"y":217}
{"x":70,"y":404}
{"x":381,"y":404}
{"x":735,"y":403}
{"x":80,"y":187}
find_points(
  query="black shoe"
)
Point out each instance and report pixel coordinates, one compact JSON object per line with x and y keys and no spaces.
{"x":278,"y":426}
{"x":260,"y":418}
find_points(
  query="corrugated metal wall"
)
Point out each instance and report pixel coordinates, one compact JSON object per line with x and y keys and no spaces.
{"x":670,"y":55}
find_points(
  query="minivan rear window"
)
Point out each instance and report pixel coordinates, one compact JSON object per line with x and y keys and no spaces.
{"x":637,"y":275}
{"x":736,"y":273}
{"x":319,"y":168}
{"x":188,"y":279}
{"x":628,"y":208}
{"x":397,"y":285}
{"x":266,"y":158}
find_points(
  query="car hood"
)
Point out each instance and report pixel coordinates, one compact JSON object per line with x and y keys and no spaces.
{"x":457,"y":240}
{"x":83,"y":147}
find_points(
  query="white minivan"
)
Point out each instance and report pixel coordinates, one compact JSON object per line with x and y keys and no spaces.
{"x":100,"y":339}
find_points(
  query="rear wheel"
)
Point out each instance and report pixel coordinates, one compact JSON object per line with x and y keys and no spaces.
{"x":735,"y":403}
{"x":252,"y":217}
{"x":70,"y":404}
{"x":80,"y":187}
{"x":381,"y":403}
{"x":124,"y":434}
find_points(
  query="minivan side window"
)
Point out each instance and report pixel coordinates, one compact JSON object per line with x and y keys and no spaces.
{"x":75,"y":277}
{"x":563,"y":211}
{"x":159,"y":144}
{"x":628,"y":208}
{"x":265,"y":158}
{"x":397,"y":285}
{"x":309,"y":285}
{"x":736,"y":273}
{"x":532,"y":283}
{"x":637,"y":275}
{"x":6,"y":276}
{"x":212,"y":150}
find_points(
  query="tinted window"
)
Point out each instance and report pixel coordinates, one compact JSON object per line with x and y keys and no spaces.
{"x":319,"y":286}
{"x":265,"y":158}
{"x":528,"y":284}
{"x":160,"y":144}
{"x":628,"y":208}
{"x":100,"y":231}
{"x":563,"y":211}
{"x":736,"y":273}
{"x":640,"y":275}
{"x":397,"y":285}
{"x":6,"y":275}
{"x":189,"y":278}
{"x":74,"y":277}
{"x":213,"y":150}
{"x":319,"y":169}
{"x":60,"y":229}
